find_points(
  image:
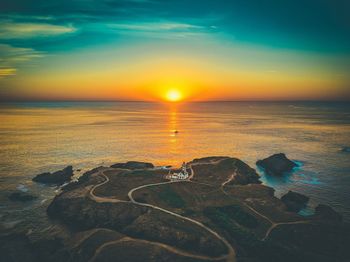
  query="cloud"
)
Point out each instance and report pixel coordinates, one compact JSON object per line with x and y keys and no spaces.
{"x":13,"y":30}
{"x":4,"y":72}
{"x":162,"y":26}
{"x":26,"y":18}
{"x":162,"y":29}
{"x":13,"y":57}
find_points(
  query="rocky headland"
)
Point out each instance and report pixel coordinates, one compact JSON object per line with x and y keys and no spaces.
{"x":56,"y":178}
{"x":222,"y":212}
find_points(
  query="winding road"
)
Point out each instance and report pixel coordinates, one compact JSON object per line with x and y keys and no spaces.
{"x":273,"y":224}
{"x":230,"y":256}
{"x":103,"y":199}
{"x":167,"y":247}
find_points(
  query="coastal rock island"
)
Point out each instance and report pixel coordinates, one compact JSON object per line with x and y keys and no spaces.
{"x":294,"y":201}
{"x":221,"y":212}
{"x":56,"y":178}
{"x":277,"y":164}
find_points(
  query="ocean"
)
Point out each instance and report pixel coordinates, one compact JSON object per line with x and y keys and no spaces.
{"x":40,"y":137}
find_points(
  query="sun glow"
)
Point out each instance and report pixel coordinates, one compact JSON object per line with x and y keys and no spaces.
{"x":173,"y":95}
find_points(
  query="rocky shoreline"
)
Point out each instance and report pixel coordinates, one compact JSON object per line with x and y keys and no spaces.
{"x":223,"y":212}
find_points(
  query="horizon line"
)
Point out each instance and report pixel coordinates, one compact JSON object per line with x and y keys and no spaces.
{"x":166,"y":102}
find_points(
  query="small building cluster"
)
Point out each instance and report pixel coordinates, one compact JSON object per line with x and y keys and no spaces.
{"x":182,"y":175}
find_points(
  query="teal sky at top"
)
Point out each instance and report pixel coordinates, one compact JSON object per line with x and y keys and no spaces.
{"x":34,"y":32}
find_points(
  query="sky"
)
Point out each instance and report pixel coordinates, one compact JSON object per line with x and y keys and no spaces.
{"x":203,"y":50}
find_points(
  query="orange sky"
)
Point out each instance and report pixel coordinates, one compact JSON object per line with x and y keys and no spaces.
{"x":197,"y":76}
{"x":200,"y":66}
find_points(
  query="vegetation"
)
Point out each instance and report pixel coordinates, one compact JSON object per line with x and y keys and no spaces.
{"x":265,"y":251}
{"x":143,"y":173}
{"x":220,"y":217}
{"x":239,"y":215}
{"x":171,"y":198}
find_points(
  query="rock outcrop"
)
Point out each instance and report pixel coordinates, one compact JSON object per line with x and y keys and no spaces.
{"x":294,"y":201}
{"x":346,"y":149}
{"x":277,"y":164}
{"x":133,"y":165}
{"x":57,"y":178}
{"x":83,"y":179}
{"x":325,"y":212}
{"x":244,"y":174}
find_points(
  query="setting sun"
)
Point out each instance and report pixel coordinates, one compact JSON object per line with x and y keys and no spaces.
{"x":173,"y":95}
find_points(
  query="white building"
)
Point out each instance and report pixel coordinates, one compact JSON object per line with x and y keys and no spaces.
{"x":182,"y":175}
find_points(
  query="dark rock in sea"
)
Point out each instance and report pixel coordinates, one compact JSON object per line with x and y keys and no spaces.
{"x":21,"y":196}
{"x":56,"y":178}
{"x":346,"y":149}
{"x":294,"y":201}
{"x":325,"y":212}
{"x":277,"y":164}
{"x":133,"y":165}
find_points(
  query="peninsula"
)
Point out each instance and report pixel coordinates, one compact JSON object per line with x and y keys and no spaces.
{"x":220,"y":212}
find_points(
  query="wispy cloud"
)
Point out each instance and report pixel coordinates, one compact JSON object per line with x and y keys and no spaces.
{"x":13,"y":30}
{"x":162,"y":29}
{"x":13,"y":57}
{"x":161,"y":26}
{"x":4,"y":72}
{"x":10,"y":54}
{"x":25,"y":18}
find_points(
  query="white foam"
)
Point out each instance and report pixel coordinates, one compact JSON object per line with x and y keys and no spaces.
{"x":22,"y":188}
